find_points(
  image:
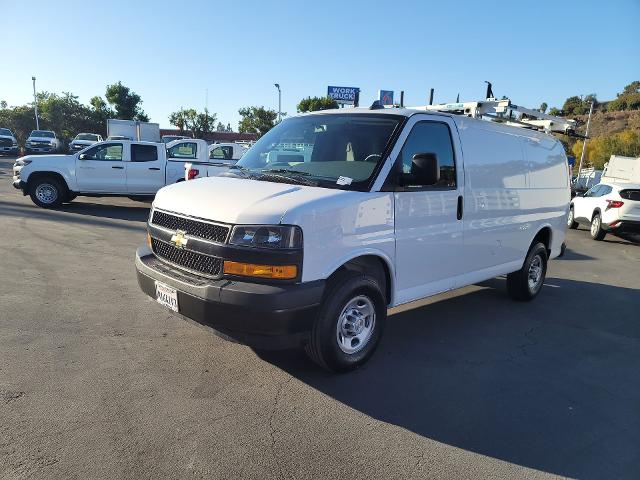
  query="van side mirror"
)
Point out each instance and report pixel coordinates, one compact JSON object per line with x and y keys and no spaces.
{"x":424,"y":169}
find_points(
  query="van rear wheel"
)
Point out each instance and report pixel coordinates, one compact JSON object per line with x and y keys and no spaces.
{"x":349,"y":324}
{"x":526,"y":283}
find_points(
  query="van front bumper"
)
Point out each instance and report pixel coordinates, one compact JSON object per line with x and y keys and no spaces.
{"x":255,"y":314}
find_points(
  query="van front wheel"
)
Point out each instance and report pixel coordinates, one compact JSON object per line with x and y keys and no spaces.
{"x":527,"y":282}
{"x":349,"y":324}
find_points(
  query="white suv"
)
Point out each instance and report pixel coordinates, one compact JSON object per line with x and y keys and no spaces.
{"x":607,"y":207}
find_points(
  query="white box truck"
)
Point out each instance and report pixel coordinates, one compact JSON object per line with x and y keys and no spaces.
{"x":622,"y":169}
{"x":390,"y":206}
{"x":133,"y":130}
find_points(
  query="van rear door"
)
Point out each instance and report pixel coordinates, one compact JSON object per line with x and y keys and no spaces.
{"x":428,"y":222}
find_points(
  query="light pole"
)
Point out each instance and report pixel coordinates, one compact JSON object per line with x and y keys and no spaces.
{"x":35,"y":102}
{"x":584,"y":144}
{"x":277,"y":85}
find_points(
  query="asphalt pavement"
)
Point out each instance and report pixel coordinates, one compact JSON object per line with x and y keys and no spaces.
{"x":99,"y":381}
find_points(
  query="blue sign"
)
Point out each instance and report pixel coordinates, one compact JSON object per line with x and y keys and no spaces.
{"x":385,"y":97}
{"x":343,"y":95}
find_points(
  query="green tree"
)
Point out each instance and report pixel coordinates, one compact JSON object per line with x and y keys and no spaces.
{"x":220,"y":127}
{"x":628,"y":99}
{"x":257,"y":120}
{"x":179,"y":119}
{"x":126,"y":103}
{"x":543,"y":107}
{"x":313,"y":104}
{"x":203,"y":123}
{"x":3,"y":104}
{"x":555,"y":111}
{"x":229,"y":129}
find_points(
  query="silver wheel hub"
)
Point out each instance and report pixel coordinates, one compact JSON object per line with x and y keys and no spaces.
{"x":570,"y":218}
{"x":535,"y":273}
{"x":46,"y":193}
{"x":595,"y":225}
{"x":355,"y":324}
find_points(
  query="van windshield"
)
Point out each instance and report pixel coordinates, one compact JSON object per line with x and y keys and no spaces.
{"x":332,"y":150}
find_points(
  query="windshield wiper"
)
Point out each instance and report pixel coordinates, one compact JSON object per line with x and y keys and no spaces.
{"x":280,"y":175}
{"x":240,"y":169}
{"x":286,"y":170}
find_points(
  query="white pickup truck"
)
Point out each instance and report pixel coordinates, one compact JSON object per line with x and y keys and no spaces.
{"x":111,"y":168}
{"x":221,"y":156}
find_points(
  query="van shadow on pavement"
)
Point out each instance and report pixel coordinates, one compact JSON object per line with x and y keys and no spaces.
{"x":553,"y":389}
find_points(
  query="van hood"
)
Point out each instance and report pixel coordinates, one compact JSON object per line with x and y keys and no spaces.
{"x":243,"y":201}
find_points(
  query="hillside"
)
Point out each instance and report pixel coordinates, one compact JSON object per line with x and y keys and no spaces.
{"x":607,"y":123}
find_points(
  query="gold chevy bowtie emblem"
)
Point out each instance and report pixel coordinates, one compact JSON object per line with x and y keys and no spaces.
{"x":179,"y":239}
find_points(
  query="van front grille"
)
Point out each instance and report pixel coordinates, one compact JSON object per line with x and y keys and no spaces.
{"x":206,"y":231}
{"x":196,"y":262}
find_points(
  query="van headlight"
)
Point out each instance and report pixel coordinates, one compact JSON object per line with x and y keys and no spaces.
{"x":267,"y":236}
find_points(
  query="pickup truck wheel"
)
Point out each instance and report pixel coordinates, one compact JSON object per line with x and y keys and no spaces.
{"x":526,"y":283}
{"x":47,"y":192}
{"x":349,"y":325}
{"x":597,"y":232}
{"x":571,"y":222}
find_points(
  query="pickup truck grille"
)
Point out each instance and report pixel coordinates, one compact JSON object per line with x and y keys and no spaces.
{"x":6,"y":142}
{"x":194,"y":228}
{"x":196,"y":262}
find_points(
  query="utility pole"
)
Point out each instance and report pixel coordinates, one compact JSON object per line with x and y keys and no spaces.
{"x":35,"y":102}
{"x":584,"y":144}
{"x":277,"y":85}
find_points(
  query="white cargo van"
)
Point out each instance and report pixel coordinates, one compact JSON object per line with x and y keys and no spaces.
{"x":381,"y":207}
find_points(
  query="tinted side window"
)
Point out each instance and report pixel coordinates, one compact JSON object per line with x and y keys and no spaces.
{"x":106,"y":152}
{"x":224,"y":153}
{"x":431,"y":137}
{"x":183,"y":150}
{"x":144,"y":153}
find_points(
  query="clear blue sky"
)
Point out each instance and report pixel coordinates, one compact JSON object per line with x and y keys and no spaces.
{"x":172,"y":52}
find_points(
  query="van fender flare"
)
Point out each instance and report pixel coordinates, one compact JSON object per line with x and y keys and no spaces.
{"x":367,"y":252}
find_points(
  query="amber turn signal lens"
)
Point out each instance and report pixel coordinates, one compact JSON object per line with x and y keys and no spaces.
{"x":283,"y":272}
{"x":148,"y":240}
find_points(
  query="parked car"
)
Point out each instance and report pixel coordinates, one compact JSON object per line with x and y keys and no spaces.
{"x":381,"y":207}
{"x":42,"y":141}
{"x":8,"y":143}
{"x":83,"y":140}
{"x":123,"y":167}
{"x":221,"y":156}
{"x":171,"y":138}
{"x":607,"y":207}
{"x":583,"y":181}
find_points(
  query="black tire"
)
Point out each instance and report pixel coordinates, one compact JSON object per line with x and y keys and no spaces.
{"x":571,"y":223}
{"x":596,"y":230}
{"x":324,"y":346}
{"x":47,"y":192}
{"x":518,"y":285}
{"x":70,"y":197}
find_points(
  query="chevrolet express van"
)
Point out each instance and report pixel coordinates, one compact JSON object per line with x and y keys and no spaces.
{"x":333,"y":217}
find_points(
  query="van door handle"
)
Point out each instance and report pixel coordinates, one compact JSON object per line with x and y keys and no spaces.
{"x":460,"y":207}
{"x":118,"y":167}
{"x":154,"y":168}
